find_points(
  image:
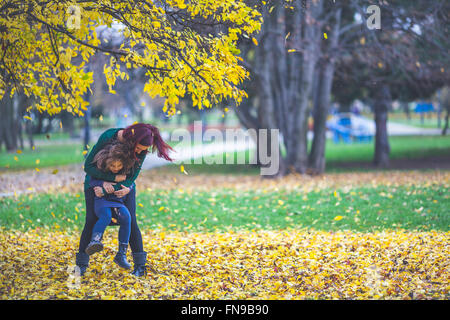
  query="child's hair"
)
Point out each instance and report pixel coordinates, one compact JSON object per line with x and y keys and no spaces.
{"x":115,"y":151}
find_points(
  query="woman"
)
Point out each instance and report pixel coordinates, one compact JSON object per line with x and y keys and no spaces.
{"x":140,"y":137}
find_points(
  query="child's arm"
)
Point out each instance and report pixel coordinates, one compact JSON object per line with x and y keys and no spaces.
{"x":93,"y":183}
{"x":132,"y":176}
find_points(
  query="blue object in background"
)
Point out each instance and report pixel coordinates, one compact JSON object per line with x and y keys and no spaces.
{"x":423,"y":107}
{"x":344,"y":130}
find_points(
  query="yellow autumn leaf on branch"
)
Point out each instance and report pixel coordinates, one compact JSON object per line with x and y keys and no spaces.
{"x":46,"y":47}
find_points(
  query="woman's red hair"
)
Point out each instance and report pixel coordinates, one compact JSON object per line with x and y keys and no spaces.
{"x":147,"y":135}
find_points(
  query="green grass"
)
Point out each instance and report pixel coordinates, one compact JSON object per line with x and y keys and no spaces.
{"x":362,"y":209}
{"x":46,"y":155}
{"x":49,"y":155}
{"x":415,"y":120}
{"x":401,"y":147}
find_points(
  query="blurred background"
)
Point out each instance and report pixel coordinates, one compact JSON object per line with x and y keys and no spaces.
{"x":357,"y":86}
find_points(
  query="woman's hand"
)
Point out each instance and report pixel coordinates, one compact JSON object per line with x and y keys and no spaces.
{"x":122,"y":192}
{"x":98,"y":192}
{"x":108,"y":186}
{"x":120,"y":177}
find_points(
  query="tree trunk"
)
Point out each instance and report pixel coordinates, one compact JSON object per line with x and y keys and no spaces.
{"x":297,"y":146}
{"x":381,"y":107}
{"x":266,"y":109}
{"x":444,"y":130}
{"x":68,"y":123}
{"x":321,"y":109}
{"x":10,"y":123}
{"x":322,"y":103}
{"x":405,"y":107}
{"x":87,"y":123}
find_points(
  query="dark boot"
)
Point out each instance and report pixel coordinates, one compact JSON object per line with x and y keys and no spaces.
{"x":121,"y":256}
{"x":82,"y":261}
{"x":139,"y":259}
{"x":95,"y":245}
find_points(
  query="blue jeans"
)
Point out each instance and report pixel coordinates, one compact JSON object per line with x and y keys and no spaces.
{"x":123,"y":218}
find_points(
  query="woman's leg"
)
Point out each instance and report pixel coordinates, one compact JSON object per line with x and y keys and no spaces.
{"x":125,"y":225}
{"x":90,"y":220}
{"x":137,"y":248}
{"x":135,"y":234}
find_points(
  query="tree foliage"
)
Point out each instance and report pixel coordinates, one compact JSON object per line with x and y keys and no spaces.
{"x":188,"y":48}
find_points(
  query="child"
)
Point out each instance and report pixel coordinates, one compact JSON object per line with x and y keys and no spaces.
{"x":115,"y":158}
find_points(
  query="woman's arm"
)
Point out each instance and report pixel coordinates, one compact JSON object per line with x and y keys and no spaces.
{"x":91,"y":168}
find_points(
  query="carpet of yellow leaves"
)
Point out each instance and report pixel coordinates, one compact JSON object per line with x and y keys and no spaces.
{"x":70,"y":179}
{"x":289,"y":264}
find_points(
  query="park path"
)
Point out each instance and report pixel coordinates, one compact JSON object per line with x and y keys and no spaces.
{"x":47,"y":179}
{"x":394,"y":128}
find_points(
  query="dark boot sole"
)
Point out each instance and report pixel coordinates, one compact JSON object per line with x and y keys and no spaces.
{"x":96,"y":247}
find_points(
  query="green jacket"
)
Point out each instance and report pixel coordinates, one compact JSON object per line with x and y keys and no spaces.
{"x":92,"y":170}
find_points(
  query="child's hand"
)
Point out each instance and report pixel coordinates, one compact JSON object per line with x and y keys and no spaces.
{"x":98,"y":192}
{"x":120,"y":177}
{"x":122,"y":192}
{"x":108,"y":186}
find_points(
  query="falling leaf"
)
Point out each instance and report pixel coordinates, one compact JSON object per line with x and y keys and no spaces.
{"x":287,"y":36}
{"x":55,"y":171}
{"x":27,"y":117}
{"x":100,"y":118}
{"x":38,"y":161}
{"x":19,"y":151}
{"x":15,"y":158}
{"x":255,"y":42}
{"x":337,"y":218}
{"x":182,"y":169}
{"x":291,"y":50}
{"x":325,"y":35}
